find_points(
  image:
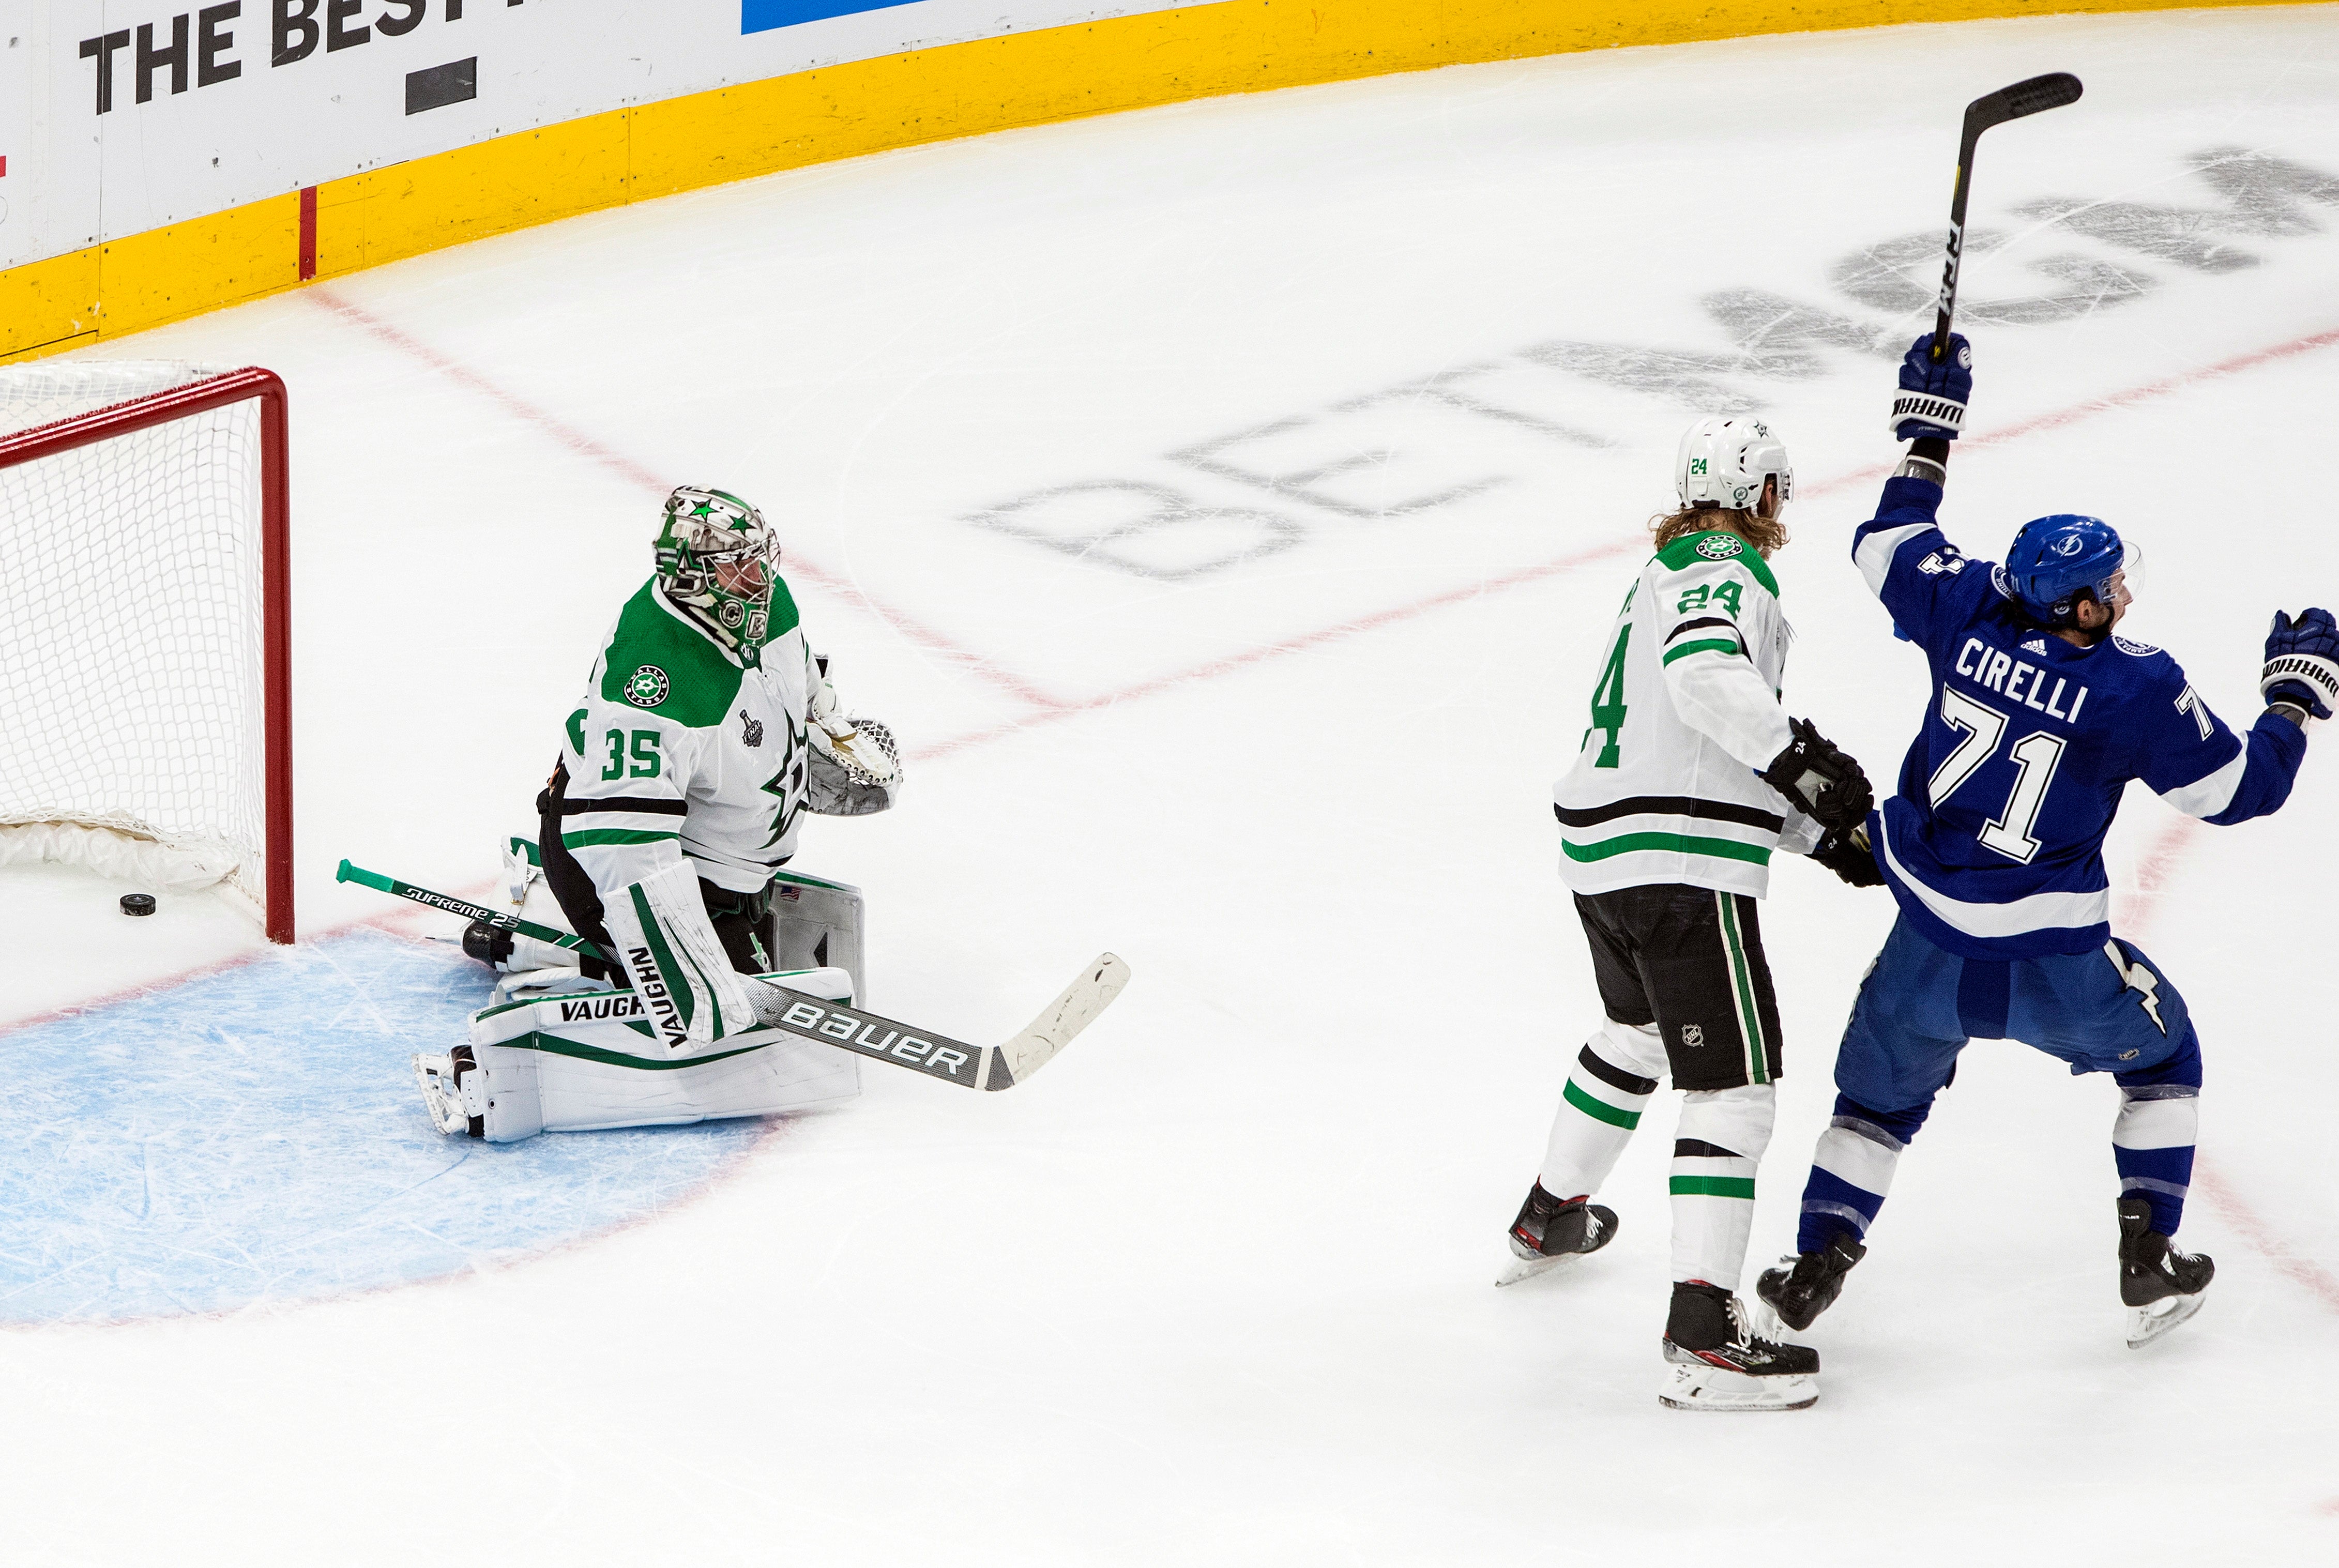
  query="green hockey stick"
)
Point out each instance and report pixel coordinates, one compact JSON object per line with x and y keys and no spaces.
{"x":827,"y":1022}
{"x":497,"y":918}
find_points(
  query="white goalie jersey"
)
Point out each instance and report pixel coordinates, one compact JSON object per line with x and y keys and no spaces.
{"x":1684,"y":712}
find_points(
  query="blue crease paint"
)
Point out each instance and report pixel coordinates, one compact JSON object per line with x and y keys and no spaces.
{"x":254,"y":1135}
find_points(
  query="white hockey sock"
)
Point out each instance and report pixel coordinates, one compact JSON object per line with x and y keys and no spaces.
{"x":1605,"y":1095}
{"x":2152,"y":1144}
{"x":1720,"y":1139}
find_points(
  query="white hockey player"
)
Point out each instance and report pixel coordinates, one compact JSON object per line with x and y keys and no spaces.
{"x":1690,"y":776}
{"x":707,"y":730}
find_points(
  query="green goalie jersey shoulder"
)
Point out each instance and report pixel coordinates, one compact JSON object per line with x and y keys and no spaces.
{"x":658,"y":665}
{"x":1717,"y":547}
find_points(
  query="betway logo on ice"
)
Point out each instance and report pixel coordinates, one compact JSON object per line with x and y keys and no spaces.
{"x":1230,"y":500}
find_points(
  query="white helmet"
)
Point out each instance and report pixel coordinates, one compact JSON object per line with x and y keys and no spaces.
{"x":1723,"y":462}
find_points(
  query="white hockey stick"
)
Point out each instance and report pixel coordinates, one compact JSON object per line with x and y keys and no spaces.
{"x":1001,"y":1066}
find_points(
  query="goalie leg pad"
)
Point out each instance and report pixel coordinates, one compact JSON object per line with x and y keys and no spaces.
{"x":579,"y":1063}
{"x":677,"y":963}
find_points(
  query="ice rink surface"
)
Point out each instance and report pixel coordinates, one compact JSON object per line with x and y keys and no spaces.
{"x":1224,"y":503}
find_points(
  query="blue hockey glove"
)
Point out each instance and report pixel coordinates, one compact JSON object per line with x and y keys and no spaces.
{"x":1931,"y":401}
{"x":2301,"y":663}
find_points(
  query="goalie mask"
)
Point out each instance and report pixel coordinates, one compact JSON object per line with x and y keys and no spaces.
{"x":716,"y":560}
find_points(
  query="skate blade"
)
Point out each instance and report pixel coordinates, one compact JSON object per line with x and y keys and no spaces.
{"x":2147,"y":1324}
{"x":435,"y":1076}
{"x":1516,"y":1270}
{"x":1706,"y":1387}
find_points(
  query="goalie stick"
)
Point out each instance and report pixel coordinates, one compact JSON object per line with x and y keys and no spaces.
{"x":897,"y":1044}
{"x":2034,"y":96}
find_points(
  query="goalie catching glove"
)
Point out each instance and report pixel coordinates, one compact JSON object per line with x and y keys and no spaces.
{"x":855,"y":768}
{"x":1819,"y":780}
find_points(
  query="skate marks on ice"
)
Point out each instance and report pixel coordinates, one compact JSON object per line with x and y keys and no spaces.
{"x":1418,"y":449}
{"x":655,"y":485}
{"x":253,"y":1136}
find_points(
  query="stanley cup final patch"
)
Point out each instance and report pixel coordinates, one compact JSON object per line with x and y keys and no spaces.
{"x":646,"y":687}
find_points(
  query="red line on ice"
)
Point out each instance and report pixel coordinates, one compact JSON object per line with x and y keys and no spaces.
{"x":1281,"y":646}
{"x":1594,"y":554}
{"x":2154,"y":872}
{"x":636,"y":473}
{"x":389,"y":921}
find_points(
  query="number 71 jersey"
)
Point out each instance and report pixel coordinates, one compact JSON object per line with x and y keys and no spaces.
{"x":1685,"y":707}
{"x":1993,"y":840}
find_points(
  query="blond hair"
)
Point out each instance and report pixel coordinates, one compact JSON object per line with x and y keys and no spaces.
{"x":1767,"y":535}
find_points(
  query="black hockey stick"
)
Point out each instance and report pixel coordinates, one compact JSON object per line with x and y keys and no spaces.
{"x":2024,"y":98}
{"x":817,"y":1019}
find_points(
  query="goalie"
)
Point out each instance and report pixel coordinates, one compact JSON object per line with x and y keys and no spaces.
{"x":708,"y":729}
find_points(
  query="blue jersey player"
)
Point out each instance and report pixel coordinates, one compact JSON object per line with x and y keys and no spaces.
{"x":1992,"y":843}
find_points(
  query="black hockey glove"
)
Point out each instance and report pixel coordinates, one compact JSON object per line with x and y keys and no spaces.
{"x":1824,"y":783}
{"x":1849,"y":858}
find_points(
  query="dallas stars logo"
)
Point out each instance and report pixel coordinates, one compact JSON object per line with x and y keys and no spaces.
{"x":787,"y":785}
{"x":646,"y":687}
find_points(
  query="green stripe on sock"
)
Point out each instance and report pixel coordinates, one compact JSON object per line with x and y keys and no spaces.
{"x":1600,"y":1109}
{"x":1683,"y":843}
{"x":1715,"y":1187}
{"x":593,"y":835}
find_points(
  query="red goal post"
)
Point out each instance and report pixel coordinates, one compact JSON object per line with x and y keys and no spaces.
{"x":149,"y":596}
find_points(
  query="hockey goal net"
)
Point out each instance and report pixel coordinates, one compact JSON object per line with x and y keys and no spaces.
{"x":144,"y":686}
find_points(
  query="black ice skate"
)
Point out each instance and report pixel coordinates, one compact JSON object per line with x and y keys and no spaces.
{"x":1715,"y":1361}
{"x":2161,"y":1286}
{"x":1550,"y":1231}
{"x":1801,"y":1288}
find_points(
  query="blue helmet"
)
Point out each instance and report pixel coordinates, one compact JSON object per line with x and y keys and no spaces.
{"x":2052,"y":558}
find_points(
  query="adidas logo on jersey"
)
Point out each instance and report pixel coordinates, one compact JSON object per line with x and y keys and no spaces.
{"x":2035,"y":645}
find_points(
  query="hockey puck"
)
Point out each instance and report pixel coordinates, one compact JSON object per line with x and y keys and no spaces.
{"x":138,"y":903}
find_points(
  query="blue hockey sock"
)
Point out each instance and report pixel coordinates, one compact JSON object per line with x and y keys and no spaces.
{"x":1851,"y":1170}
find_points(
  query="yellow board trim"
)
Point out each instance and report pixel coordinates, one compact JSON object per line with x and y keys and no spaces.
{"x":738,"y":133}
